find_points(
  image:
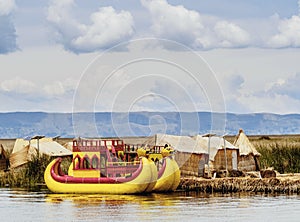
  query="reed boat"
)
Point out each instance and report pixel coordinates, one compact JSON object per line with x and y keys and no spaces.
{"x":168,"y":177}
{"x":95,"y":169}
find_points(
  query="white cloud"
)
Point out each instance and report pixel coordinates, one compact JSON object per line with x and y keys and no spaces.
{"x":288,"y":33}
{"x":58,"y":11}
{"x":6,"y":7}
{"x":191,"y":28}
{"x":17,"y":85}
{"x":107,"y":27}
{"x":174,"y":22}
{"x":231,"y":35}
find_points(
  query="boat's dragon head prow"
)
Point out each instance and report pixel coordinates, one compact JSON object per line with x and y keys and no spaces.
{"x":167,"y":151}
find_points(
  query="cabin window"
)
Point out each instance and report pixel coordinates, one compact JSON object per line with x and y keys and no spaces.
{"x":95,"y":162}
{"x":109,"y":143}
{"x":103,"y":164}
{"x":76,"y":162}
{"x":86,"y":162}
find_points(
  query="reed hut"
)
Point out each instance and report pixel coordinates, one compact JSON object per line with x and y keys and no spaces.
{"x":248,"y":155}
{"x":190,"y":157}
{"x":25,"y":150}
{"x":193,"y":154}
{"x":4,"y":161}
{"x":218,"y":147}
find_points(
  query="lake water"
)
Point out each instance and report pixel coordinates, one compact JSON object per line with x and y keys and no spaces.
{"x":21,"y":205}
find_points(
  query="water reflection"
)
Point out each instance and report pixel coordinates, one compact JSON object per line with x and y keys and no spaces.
{"x":123,"y":207}
{"x":178,"y":206}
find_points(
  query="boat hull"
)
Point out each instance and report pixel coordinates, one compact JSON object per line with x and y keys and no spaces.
{"x":143,"y":182}
{"x":169,"y":176}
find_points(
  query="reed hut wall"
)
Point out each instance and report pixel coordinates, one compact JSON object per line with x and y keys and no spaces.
{"x":20,"y":157}
{"x":4,"y":162}
{"x":248,"y":163}
{"x":191,"y":164}
{"x":219,"y":162}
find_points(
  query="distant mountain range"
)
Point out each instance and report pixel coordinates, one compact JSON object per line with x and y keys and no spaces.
{"x":104,"y":124}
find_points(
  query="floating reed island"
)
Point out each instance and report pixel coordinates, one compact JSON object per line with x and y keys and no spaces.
{"x":278,"y":152}
{"x":283,"y":184}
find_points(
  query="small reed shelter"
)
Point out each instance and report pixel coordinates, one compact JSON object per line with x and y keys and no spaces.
{"x":248,"y":155}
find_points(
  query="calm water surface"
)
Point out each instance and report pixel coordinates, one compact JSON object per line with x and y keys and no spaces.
{"x":21,"y":205}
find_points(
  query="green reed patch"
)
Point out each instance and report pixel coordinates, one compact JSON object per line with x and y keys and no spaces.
{"x":282,"y":156}
{"x":30,"y":174}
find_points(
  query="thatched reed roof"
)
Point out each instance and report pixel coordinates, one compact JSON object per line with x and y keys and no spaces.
{"x":244,"y":145}
{"x":197,"y":144}
{"x":24,"y":150}
{"x":179,"y":143}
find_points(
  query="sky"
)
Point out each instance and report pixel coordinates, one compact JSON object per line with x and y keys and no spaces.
{"x":239,"y":56}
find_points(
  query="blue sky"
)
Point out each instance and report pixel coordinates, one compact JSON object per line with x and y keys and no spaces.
{"x":74,"y":55}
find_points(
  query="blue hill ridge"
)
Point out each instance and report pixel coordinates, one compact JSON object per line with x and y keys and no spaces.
{"x":105,"y":124}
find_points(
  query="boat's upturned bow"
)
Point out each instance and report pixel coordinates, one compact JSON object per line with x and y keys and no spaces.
{"x":168,"y":176}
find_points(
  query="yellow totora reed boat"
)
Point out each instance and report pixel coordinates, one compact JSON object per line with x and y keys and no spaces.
{"x":95,"y":170}
{"x":168,"y":174}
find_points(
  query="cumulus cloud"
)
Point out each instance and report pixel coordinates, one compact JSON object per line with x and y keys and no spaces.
{"x":230,"y":34}
{"x":288,"y":33}
{"x":191,"y":28}
{"x":7,"y":29}
{"x":107,"y":27}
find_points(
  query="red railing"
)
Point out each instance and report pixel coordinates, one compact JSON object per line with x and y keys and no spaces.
{"x":95,"y":145}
